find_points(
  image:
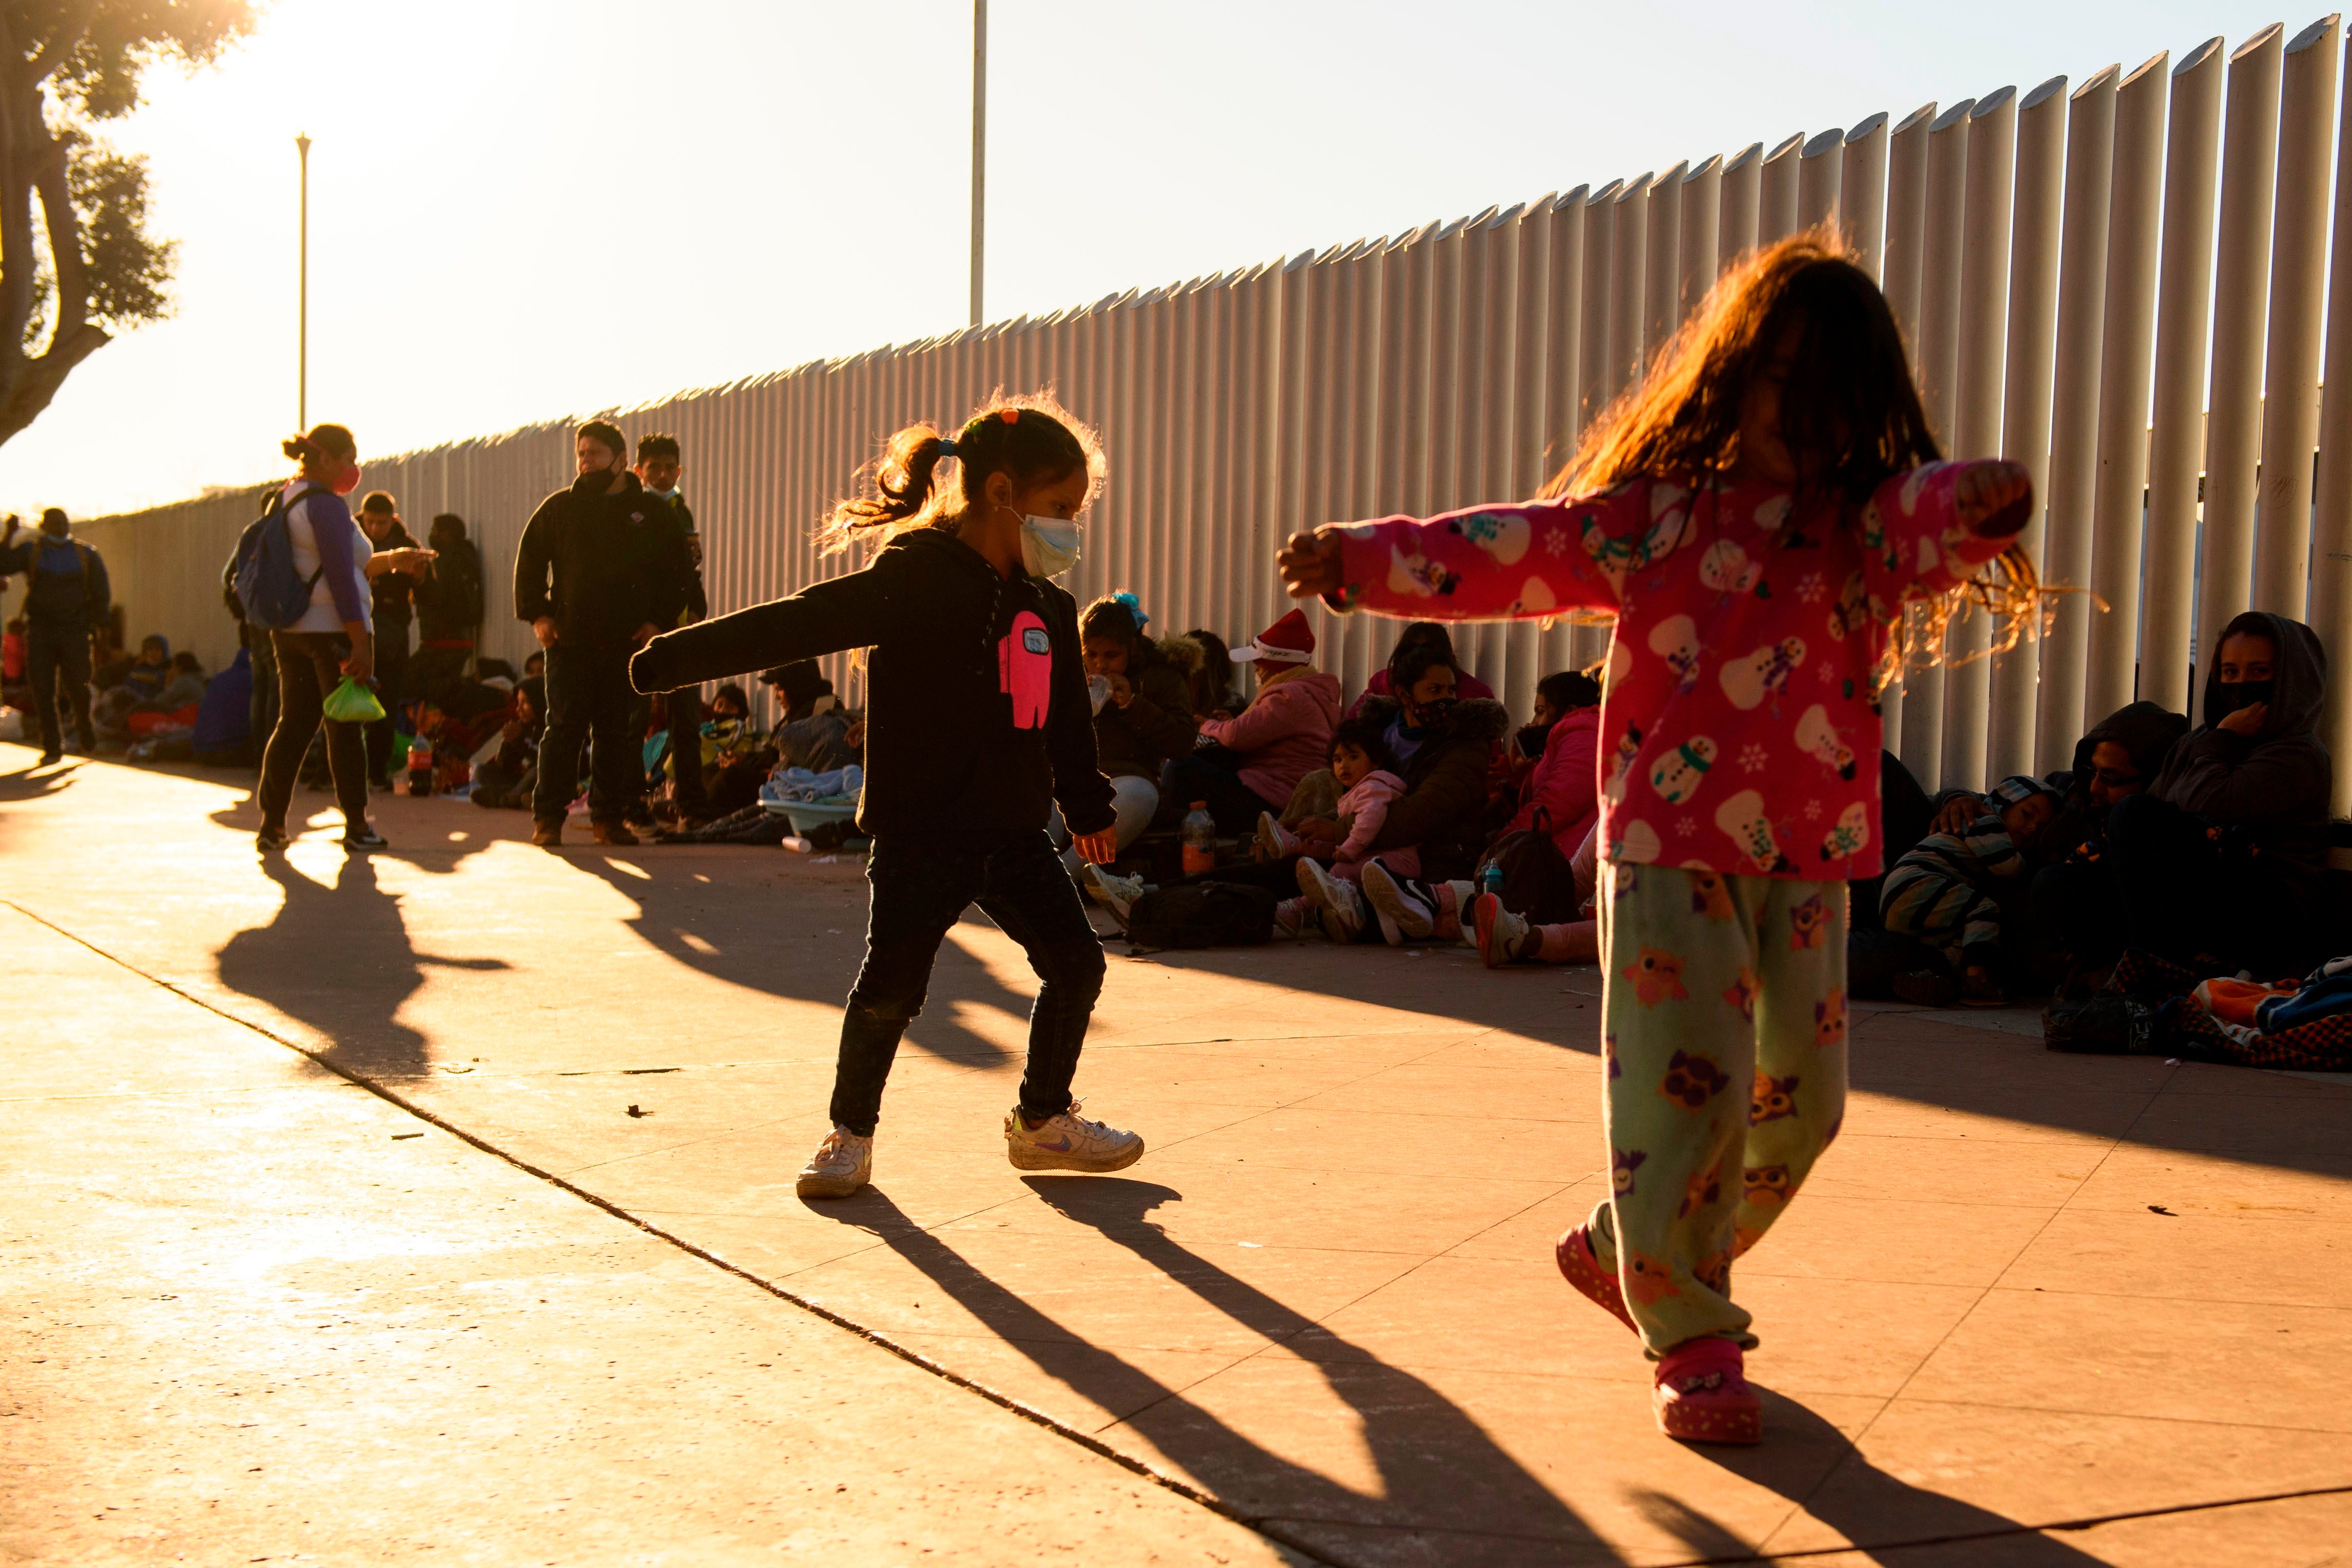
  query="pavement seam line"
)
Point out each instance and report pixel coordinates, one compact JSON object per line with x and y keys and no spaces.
{"x":1003,"y":1401}
{"x":2063,"y":1526}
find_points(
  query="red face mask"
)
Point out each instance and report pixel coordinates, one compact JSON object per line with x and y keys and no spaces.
{"x":349,"y":482}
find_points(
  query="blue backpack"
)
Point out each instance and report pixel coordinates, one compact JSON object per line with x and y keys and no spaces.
{"x":270,"y":592}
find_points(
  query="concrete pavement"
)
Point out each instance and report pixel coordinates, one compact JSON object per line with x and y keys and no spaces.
{"x":2023,"y":1292}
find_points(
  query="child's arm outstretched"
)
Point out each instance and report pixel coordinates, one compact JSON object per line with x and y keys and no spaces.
{"x":1928,"y":529}
{"x":856,"y":610}
{"x":1533,"y":559}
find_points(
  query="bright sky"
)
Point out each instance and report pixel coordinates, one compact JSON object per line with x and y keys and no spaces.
{"x":524,"y":208}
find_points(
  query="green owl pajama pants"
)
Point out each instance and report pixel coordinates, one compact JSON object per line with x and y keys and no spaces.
{"x":1724,"y":1045}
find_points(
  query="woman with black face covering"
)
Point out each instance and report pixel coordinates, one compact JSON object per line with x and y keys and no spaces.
{"x":2218,"y":865}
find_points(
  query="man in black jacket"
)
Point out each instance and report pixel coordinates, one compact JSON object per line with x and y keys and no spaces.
{"x":659,"y":468}
{"x":379,"y":518}
{"x":602,"y":567}
{"x":66,"y":601}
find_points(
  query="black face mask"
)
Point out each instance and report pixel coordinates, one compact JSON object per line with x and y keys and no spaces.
{"x":2228,"y":696}
{"x":1435,"y":715}
{"x":592,"y":485}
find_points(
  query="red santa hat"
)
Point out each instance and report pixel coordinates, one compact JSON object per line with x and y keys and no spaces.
{"x":1289,"y":641}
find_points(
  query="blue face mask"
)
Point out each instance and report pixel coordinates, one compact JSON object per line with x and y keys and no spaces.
{"x":1049,"y":546}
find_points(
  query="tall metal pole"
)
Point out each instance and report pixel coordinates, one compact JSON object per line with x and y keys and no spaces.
{"x":302,"y":294}
{"x":979,"y":145}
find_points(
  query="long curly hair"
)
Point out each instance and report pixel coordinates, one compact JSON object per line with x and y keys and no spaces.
{"x":1849,"y":407}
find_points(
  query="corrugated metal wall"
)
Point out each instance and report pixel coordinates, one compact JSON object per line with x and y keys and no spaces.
{"x":2052,"y":258}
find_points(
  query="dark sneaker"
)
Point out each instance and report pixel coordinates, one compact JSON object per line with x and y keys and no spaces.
{"x":270,"y":841}
{"x":365,"y":839}
{"x":615,"y":833}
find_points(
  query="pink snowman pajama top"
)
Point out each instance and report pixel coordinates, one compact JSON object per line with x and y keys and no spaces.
{"x":1738,"y":730}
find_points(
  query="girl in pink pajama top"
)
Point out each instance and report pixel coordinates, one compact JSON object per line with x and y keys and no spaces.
{"x":1755,"y":515}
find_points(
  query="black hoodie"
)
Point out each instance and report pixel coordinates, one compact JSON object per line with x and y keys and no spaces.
{"x":2280,"y":777}
{"x":618,"y":561}
{"x":977,"y":714}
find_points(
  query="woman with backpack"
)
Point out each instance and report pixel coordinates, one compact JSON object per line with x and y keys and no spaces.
{"x":331,"y":638}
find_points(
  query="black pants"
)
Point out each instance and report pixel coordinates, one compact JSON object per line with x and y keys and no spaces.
{"x":262,"y":712}
{"x":920,"y":891}
{"x":56,"y":653}
{"x":588,"y":698}
{"x":391,"y":689}
{"x":309,"y":666}
{"x":684,"y":707}
{"x":1211,"y":774}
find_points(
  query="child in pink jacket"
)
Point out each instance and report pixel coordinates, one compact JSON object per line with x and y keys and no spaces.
{"x":1341,"y":848}
{"x":1755,"y":515}
{"x":1251,"y":762}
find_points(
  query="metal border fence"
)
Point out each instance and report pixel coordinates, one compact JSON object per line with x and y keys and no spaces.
{"x":2124,"y":286}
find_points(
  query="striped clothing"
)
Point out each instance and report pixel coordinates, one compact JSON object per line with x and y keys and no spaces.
{"x":1936,"y":892}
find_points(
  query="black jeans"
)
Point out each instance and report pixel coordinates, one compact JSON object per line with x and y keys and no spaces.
{"x":588,"y":699}
{"x":920,"y":891}
{"x":309,"y":666}
{"x":1208,"y":774}
{"x":684,"y":707}
{"x":391,"y":689}
{"x":262,"y":712}
{"x":54,"y":653}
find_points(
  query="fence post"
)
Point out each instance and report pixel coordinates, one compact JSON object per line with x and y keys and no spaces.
{"x":1662,"y":283}
{"x":1702,"y":238}
{"x":1907,"y":229}
{"x":2330,"y":609}
{"x":2241,"y":265}
{"x":1735,"y":234}
{"x":1776,"y":191}
{"x":1976,"y":408}
{"x":1818,"y":167}
{"x":1862,"y":192}
{"x":2025,"y":396}
{"x":1938,"y":372}
{"x":2298,"y":272}
{"x":1627,"y":275}
{"x":2184,"y":294}
{"x":2135,"y":206}
{"x":2065,"y":559}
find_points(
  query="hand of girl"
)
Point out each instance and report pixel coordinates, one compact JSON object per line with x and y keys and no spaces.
{"x":1097,"y":849}
{"x":1120,"y":692}
{"x":1994,"y":498}
{"x":1309,"y":564}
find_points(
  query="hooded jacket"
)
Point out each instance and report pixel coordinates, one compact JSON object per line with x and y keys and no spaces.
{"x":1565,"y":783}
{"x":618,"y":561}
{"x":2282,"y":776}
{"x":977,"y":712}
{"x":2148,"y":733}
{"x":449,"y":599}
{"x":1444,"y":806}
{"x":1284,"y":734}
{"x":1157,"y":723}
{"x":391,"y":593}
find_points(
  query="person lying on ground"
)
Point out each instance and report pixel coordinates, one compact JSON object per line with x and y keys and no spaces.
{"x":1250,"y":763}
{"x":1940,"y":894}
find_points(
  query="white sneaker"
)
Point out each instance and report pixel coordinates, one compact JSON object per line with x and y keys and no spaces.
{"x":1503,"y":936}
{"x":1115,"y":891}
{"x":1068,"y":1142}
{"x":1404,"y":913}
{"x":1275,"y":841}
{"x":1341,"y":906}
{"x":1292,"y":916}
{"x":842,"y":1164}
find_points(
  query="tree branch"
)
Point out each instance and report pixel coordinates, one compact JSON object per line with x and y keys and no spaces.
{"x":37,"y":380}
{"x":64,"y":226}
{"x":72,"y":29}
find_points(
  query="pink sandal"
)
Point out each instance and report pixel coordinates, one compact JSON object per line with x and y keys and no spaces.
{"x":1573,"y":1252}
{"x":1702,"y":1395}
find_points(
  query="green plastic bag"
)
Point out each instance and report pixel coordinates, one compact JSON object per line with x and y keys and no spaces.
{"x":351,"y":702}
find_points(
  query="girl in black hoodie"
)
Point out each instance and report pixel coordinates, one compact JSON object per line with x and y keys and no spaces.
{"x":978,"y":724}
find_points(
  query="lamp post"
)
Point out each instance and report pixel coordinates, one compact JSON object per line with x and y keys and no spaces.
{"x":302,"y":295}
{"x":979,"y":144}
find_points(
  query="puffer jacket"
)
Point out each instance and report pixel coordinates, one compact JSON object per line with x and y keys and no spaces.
{"x":1131,"y":742}
{"x":1284,"y":734}
{"x":1444,"y":806}
{"x":1565,"y":786}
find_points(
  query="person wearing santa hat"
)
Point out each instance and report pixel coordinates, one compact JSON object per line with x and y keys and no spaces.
{"x":1250,"y":763}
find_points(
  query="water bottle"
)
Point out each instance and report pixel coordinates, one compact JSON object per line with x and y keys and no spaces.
{"x":1491,"y":880}
{"x":1199,"y":840}
{"x":420,"y":767}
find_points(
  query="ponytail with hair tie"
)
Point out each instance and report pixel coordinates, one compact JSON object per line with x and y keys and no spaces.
{"x":1033,"y":439}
